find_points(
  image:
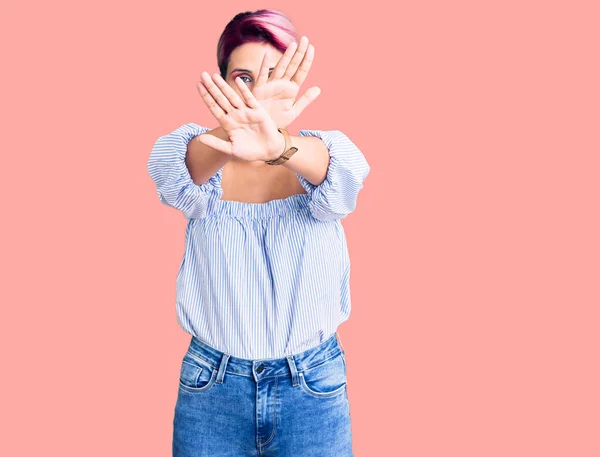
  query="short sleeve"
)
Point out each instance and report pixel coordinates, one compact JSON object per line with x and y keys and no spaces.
{"x":167,"y":168}
{"x":337,"y":195}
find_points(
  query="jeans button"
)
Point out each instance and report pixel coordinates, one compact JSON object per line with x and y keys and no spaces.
{"x":260,"y":368}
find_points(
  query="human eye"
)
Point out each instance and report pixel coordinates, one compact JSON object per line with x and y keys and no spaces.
{"x":245,"y":76}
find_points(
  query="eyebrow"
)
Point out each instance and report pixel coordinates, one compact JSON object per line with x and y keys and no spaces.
{"x":247,"y":71}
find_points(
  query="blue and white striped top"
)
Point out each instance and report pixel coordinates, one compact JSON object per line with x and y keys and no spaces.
{"x":261,"y":280}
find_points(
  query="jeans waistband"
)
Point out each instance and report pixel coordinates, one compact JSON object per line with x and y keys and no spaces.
{"x":262,"y":368}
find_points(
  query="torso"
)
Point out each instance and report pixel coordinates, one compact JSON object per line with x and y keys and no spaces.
{"x":258,"y":182}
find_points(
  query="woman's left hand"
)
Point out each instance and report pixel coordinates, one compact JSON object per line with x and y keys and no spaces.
{"x":277,"y":92}
{"x":252,"y":132}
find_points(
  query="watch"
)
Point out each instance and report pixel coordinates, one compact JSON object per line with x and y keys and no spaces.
{"x":288,"y":150}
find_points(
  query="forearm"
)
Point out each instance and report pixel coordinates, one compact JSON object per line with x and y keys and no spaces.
{"x":311,"y":160}
{"x":202,"y":160}
{"x":336,"y":168}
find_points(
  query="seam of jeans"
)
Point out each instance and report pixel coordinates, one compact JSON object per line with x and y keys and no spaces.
{"x":274,"y":416}
{"x":198,"y":370}
{"x":314,"y":393}
{"x":209,"y":385}
{"x":194,"y":354}
{"x":322,"y":362}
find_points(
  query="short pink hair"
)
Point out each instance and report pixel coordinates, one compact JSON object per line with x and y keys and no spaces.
{"x":262,"y":26}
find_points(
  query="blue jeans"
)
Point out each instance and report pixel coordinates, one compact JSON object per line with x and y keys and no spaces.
{"x":296,"y":406}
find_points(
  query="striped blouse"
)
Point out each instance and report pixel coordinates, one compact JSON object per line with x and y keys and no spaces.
{"x":261,"y":280}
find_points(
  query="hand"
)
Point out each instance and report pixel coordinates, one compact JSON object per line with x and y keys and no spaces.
{"x":277,"y":93}
{"x":253,"y":134}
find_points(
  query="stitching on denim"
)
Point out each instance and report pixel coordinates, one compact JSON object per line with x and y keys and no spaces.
{"x":211,"y":381}
{"x":345,"y":365}
{"x":274,"y":416}
{"x":233,"y":373}
{"x":194,"y":354}
{"x":224,"y":360}
{"x":198,"y":373}
{"x":314,"y":393}
{"x":304,"y":369}
{"x":321,"y":362}
{"x":200,"y":389}
{"x":258,"y":423}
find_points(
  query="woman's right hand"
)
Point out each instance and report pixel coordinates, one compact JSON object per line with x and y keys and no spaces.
{"x":252,"y":133}
{"x":277,"y":92}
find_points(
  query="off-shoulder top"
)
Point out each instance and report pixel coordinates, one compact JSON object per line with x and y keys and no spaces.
{"x":261,"y":280}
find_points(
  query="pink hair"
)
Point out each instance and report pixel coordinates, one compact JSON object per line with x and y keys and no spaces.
{"x":262,"y":26}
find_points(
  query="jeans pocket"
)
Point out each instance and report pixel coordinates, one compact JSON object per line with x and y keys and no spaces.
{"x":196,"y":374}
{"x":328,"y":379}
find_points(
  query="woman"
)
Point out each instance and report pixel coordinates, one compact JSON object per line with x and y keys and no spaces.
{"x":265,"y":277}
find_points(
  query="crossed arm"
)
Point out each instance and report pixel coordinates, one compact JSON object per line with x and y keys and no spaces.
{"x":330,"y":167}
{"x":311,"y":161}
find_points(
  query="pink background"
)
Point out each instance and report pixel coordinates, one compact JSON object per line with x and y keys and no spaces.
{"x":475,"y":243}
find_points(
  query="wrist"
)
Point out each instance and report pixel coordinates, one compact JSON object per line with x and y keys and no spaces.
{"x":288,"y":150}
{"x":278,"y":148}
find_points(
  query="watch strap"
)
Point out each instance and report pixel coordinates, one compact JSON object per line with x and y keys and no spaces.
{"x":288,"y":151}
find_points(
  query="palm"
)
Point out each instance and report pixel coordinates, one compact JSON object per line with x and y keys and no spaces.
{"x":247,"y":130}
{"x":252,"y":132}
{"x":252,"y":120}
{"x":278,"y":98}
{"x":277,"y":92}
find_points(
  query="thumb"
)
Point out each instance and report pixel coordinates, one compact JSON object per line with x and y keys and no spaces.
{"x":216,"y":143}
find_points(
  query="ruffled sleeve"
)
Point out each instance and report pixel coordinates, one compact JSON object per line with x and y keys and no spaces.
{"x":337,"y":195}
{"x":174,"y":185}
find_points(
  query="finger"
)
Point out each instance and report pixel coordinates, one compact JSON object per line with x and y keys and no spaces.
{"x":216,"y":143}
{"x":216,"y":93}
{"x":213,"y":106}
{"x":272,"y":91}
{"x":246,"y":93}
{"x":302,"y":71}
{"x":228,"y":91}
{"x":297,"y":59}
{"x":279,"y":69}
{"x":263,"y":75}
{"x":307,"y":98}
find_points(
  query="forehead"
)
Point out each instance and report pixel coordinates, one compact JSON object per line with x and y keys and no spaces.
{"x":250,"y":55}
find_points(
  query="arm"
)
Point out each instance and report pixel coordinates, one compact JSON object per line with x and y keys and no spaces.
{"x":203,"y":161}
{"x":331,"y":169}
{"x":167,"y":166}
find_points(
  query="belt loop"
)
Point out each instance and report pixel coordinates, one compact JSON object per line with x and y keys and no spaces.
{"x":222,"y":366}
{"x":339,"y":338}
{"x":292,"y":364}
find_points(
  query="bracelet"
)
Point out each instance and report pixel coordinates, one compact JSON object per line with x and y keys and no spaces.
{"x":287,"y":150}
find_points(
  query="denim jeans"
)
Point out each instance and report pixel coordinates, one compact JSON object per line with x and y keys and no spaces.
{"x":295,"y":406}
